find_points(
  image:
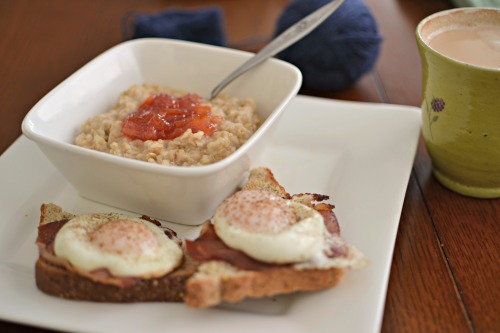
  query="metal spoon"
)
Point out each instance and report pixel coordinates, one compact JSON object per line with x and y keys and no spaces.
{"x":285,"y":39}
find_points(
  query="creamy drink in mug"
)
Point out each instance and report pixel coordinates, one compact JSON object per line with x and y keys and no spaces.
{"x":460,"y":53}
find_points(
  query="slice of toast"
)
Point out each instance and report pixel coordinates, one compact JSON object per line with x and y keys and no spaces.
{"x":218,"y":281}
{"x":54,"y":279}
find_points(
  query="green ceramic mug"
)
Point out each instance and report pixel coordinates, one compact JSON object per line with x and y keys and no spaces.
{"x":460,"y":54}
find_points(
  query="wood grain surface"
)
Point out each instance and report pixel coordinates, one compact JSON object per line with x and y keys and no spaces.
{"x":445,"y":270}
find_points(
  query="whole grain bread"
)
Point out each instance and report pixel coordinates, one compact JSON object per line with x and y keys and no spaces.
{"x":54,"y":279}
{"x":58,"y":281}
{"x":218,"y":281}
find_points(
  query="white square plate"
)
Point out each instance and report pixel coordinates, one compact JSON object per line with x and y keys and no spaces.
{"x":359,"y":154}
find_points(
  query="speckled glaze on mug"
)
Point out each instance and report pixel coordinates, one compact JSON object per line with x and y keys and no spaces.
{"x":461,"y":110}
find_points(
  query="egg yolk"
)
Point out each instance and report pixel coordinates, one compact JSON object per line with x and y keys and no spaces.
{"x":258,"y":211}
{"x":124,"y":237}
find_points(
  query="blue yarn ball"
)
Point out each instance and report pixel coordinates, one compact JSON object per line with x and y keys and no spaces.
{"x":339,"y":51}
{"x":204,"y":25}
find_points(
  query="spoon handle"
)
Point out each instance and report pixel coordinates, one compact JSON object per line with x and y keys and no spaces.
{"x":285,"y":39}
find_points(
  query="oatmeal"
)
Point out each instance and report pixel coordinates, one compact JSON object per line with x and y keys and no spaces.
{"x":195,"y":131}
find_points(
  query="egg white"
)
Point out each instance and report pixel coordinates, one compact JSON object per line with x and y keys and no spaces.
{"x":298,"y":242}
{"x":73,"y":243}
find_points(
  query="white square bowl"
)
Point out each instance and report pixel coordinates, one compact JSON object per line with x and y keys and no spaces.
{"x":186,"y":195}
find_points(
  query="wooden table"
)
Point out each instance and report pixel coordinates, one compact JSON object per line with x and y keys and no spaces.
{"x":445,"y":270}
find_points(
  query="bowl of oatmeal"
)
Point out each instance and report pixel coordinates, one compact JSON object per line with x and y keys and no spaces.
{"x":133,"y":128}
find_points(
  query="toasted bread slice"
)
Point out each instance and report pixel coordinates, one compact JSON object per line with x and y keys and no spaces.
{"x":217,"y":280}
{"x":54,"y":279}
{"x":57,"y":281}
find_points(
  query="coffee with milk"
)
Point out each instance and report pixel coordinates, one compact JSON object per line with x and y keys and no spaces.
{"x":477,"y":45}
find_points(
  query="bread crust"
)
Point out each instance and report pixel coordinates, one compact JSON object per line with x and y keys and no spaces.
{"x":58,"y":281}
{"x":262,"y":178}
{"x":212,"y":289}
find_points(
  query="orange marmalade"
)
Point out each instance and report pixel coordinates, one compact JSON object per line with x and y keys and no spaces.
{"x":165,"y":117}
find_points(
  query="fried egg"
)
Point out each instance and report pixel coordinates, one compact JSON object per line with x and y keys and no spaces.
{"x":125,"y":245}
{"x":269,"y":228}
